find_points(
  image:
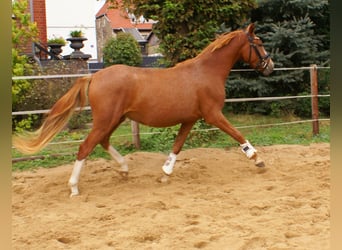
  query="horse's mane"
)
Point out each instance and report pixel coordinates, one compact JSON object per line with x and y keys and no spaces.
{"x":222,"y":41}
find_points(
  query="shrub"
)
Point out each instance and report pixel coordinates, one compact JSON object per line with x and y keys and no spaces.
{"x":162,"y":139}
{"x":23,"y":31}
{"x":76,"y":33}
{"x":123,"y":49}
{"x":79,"y":120}
{"x":57,"y":40}
{"x":43,"y":94}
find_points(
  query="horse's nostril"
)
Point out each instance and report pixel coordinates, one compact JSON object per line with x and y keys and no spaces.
{"x":269,"y":68}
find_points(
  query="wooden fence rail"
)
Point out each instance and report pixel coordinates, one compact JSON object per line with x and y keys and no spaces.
{"x":135,"y":126}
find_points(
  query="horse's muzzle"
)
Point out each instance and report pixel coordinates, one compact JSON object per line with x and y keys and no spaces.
{"x":268,"y":68}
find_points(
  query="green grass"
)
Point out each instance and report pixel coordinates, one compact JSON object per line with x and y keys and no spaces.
{"x":58,"y":154}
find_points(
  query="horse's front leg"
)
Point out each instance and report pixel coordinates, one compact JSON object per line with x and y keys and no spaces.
{"x":251,"y":153}
{"x":177,"y":146}
{"x":119,"y":159}
{"x":218,"y":119}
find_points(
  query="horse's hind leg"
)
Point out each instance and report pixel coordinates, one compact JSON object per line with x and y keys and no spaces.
{"x":98,"y":134}
{"x":85,"y":149}
{"x":217,"y":119}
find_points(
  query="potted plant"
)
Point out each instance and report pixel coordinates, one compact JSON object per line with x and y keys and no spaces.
{"x":55,"y":44}
{"x":76,"y":39}
{"x":76,"y":42}
{"x":76,"y":33}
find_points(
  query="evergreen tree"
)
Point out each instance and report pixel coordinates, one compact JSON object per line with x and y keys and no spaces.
{"x":296,"y":34}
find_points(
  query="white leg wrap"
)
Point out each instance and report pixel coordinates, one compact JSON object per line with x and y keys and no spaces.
{"x":169,"y":164}
{"x":248,"y":149}
{"x":75,"y":177}
{"x":118,"y":157}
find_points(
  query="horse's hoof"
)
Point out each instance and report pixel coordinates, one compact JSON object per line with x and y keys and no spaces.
{"x":124,"y":174}
{"x":163,"y":179}
{"x":260,"y":163}
{"x":73,"y":195}
{"x":74,"y":190}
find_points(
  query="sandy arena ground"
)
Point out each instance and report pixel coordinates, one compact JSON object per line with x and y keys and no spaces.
{"x":216,"y":199}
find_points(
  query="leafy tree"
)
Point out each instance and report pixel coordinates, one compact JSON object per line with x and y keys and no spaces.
{"x":122,"y":49}
{"x":185,"y":27}
{"x":23,"y":31}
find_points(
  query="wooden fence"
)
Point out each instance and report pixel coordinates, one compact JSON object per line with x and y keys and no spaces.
{"x":135,"y":126}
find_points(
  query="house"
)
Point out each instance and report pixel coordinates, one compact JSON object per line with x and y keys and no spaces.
{"x":98,"y":21}
{"x":110,"y":21}
{"x":64,"y":16}
{"x":57,"y":19}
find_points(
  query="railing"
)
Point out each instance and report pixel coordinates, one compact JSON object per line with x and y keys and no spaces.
{"x":135,"y":127}
{"x":39,"y":48}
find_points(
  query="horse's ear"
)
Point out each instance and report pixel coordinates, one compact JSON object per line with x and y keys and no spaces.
{"x":250,"y":28}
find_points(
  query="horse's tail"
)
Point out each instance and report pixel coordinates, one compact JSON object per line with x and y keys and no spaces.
{"x":59,"y":115}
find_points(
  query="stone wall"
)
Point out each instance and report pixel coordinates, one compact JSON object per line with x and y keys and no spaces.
{"x":103,"y":33}
{"x":58,"y":67}
{"x":45,"y":92}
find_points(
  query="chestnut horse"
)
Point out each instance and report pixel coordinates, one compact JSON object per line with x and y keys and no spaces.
{"x":182,"y":94}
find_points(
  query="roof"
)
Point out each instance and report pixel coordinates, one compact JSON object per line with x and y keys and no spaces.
{"x":120,"y":19}
{"x":135,"y":33}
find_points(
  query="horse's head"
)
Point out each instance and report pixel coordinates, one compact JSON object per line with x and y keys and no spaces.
{"x":255,"y":54}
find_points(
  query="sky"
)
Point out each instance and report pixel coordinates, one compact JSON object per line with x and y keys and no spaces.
{"x":63,"y":16}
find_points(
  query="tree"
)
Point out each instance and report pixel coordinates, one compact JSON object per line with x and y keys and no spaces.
{"x":185,"y":27}
{"x":23,"y":31}
{"x":296,"y":34}
{"x":122,"y":49}
{"x":298,"y":29}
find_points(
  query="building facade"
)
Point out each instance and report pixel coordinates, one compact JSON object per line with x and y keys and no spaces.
{"x":110,"y":21}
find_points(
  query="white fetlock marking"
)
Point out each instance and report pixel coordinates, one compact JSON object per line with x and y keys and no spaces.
{"x":124,"y":168}
{"x":169,"y":164}
{"x":74,"y":190}
{"x":248,"y":149}
{"x":75,"y":175}
{"x":118,"y":157}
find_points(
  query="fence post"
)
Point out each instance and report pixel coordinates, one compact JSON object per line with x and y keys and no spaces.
{"x":135,"y":134}
{"x":314,"y":99}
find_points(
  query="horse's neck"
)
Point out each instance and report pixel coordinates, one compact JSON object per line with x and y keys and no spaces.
{"x":221,"y":61}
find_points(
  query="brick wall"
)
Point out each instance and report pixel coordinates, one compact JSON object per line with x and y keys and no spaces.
{"x":39,"y":16}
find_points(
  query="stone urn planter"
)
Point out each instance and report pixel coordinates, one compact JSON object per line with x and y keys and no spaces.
{"x":55,"y":48}
{"x":76,"y":43}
